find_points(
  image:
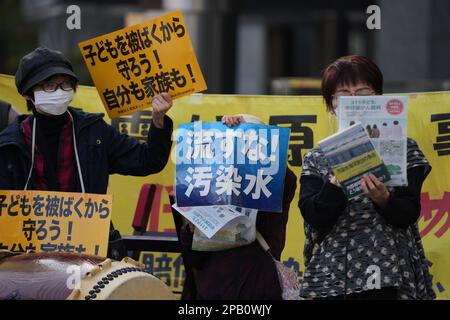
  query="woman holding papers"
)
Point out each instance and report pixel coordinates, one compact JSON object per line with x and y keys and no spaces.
{"x":368,"y":247}
{"x":246,"y":272}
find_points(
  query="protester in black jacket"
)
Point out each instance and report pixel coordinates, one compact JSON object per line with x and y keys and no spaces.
{"x":95,"y":149}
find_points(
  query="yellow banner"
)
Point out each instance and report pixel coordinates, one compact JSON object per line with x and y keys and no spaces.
{"x":428,"y":124}
{"x":130,"y":66}
{"x":54,"y":221}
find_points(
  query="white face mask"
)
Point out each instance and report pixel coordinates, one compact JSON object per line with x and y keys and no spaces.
{"x":54,"y":103}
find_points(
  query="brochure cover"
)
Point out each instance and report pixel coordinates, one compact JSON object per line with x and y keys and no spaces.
{"x":351,"y":155}
{"x":385,"y":120}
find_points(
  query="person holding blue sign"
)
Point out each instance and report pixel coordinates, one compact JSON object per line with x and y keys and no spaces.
{"x":61,"y":148}
{"x":244,"y":166}
{"x":245,"y":272}
{"x":368,"y":247}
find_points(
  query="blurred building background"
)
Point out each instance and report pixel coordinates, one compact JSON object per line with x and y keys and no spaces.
{"x":255,"y":46}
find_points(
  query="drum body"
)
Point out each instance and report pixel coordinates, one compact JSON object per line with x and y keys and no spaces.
{"x":60,"y":276}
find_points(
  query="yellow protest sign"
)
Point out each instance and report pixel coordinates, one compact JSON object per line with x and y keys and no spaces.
{"x":132,"y":65}
{"x":55,"y":221}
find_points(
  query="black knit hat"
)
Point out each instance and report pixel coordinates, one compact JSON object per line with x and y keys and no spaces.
{"x":40,"y":64}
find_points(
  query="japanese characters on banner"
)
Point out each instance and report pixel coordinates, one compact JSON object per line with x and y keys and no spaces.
{"x":242,"y":166}
{"x":428,"y":125}
{"x":130,"y":66}
{"x":54,"y":221}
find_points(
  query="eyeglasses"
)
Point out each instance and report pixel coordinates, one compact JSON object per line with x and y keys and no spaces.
{"x":359,"y":92}
{"x":53,"y":86}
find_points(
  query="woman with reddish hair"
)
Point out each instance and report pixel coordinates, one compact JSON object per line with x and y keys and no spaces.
{"x":368,"y":247}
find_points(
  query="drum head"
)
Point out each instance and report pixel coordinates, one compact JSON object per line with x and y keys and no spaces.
{"x":124,"y":280}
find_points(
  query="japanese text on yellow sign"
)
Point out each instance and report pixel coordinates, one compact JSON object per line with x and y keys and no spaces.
{"x":54,"y":221}
{"x":130,"y":66}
